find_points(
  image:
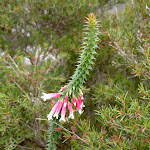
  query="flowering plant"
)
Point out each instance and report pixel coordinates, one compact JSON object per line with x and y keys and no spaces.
{"x":71,"y":95}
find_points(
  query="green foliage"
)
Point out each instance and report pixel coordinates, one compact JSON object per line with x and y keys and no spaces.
{"x":123,"y":127}
{"x":122,"y":98}
{"x":20,"y":103}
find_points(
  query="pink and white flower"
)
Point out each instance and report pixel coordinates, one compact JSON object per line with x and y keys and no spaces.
{"x":58,"y":109}
{"x":81,"y":101}
{"x":65,"y":101}
{"x":50,"y":95}
{"x":70,"y":111}
{"x":79,"y":104}
{"x":49,"y":116}
{"x":63,"y":114}
{"x":79,"y":107}
{"x":74,"y":101}
{"x":63,"y":111}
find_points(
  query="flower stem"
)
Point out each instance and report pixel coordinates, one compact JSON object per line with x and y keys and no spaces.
{"x":87,"y":56}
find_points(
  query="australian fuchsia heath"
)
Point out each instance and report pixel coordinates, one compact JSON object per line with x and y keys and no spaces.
{"x":71,"y":96}
{"x":62,"y":105}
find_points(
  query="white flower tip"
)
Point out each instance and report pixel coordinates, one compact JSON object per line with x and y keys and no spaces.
{"x":71,"y":116}
{"x":56,"y":115}
{"x":65,"y":104}
{"x":44,"y":99}
{"x":74,"y":104}
{"x":44,"y":94}
{"x":62,"y":119}
{"x":49,"y":116}
{"x":80,"y":112}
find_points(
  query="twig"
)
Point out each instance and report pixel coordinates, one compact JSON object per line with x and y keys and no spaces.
{"x":14,"y":62}
{"x":11,"y":67}
{"x":68,"y":131}
{"x":21,"y":89}
{"x":130,"y":58}
{"x":23,"y":147}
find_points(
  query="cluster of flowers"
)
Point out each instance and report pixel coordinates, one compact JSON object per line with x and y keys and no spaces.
{"x":61,"y":105}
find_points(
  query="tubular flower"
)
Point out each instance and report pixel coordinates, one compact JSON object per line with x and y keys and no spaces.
{"x":58,"y":109}
{"x":79,"y":106}
{"x":74,"y":101}
{"x":50,"y":95}
{"x":81,"y":101}
{"x":65,"y":101}
{"x":49,"y":116}
{"x":70,"y":111}
{"x":63,"y":113}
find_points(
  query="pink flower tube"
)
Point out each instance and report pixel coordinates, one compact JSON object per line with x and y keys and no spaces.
{"x":79,"y":105}
{"x":63,"y":111}
{"x":49,"y":116}
{"x":58,"y":109}
{"x":74,"y":101}
{"x":65,"y":101}
{"x":70,"y":111}
{"x":50,"y":95}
